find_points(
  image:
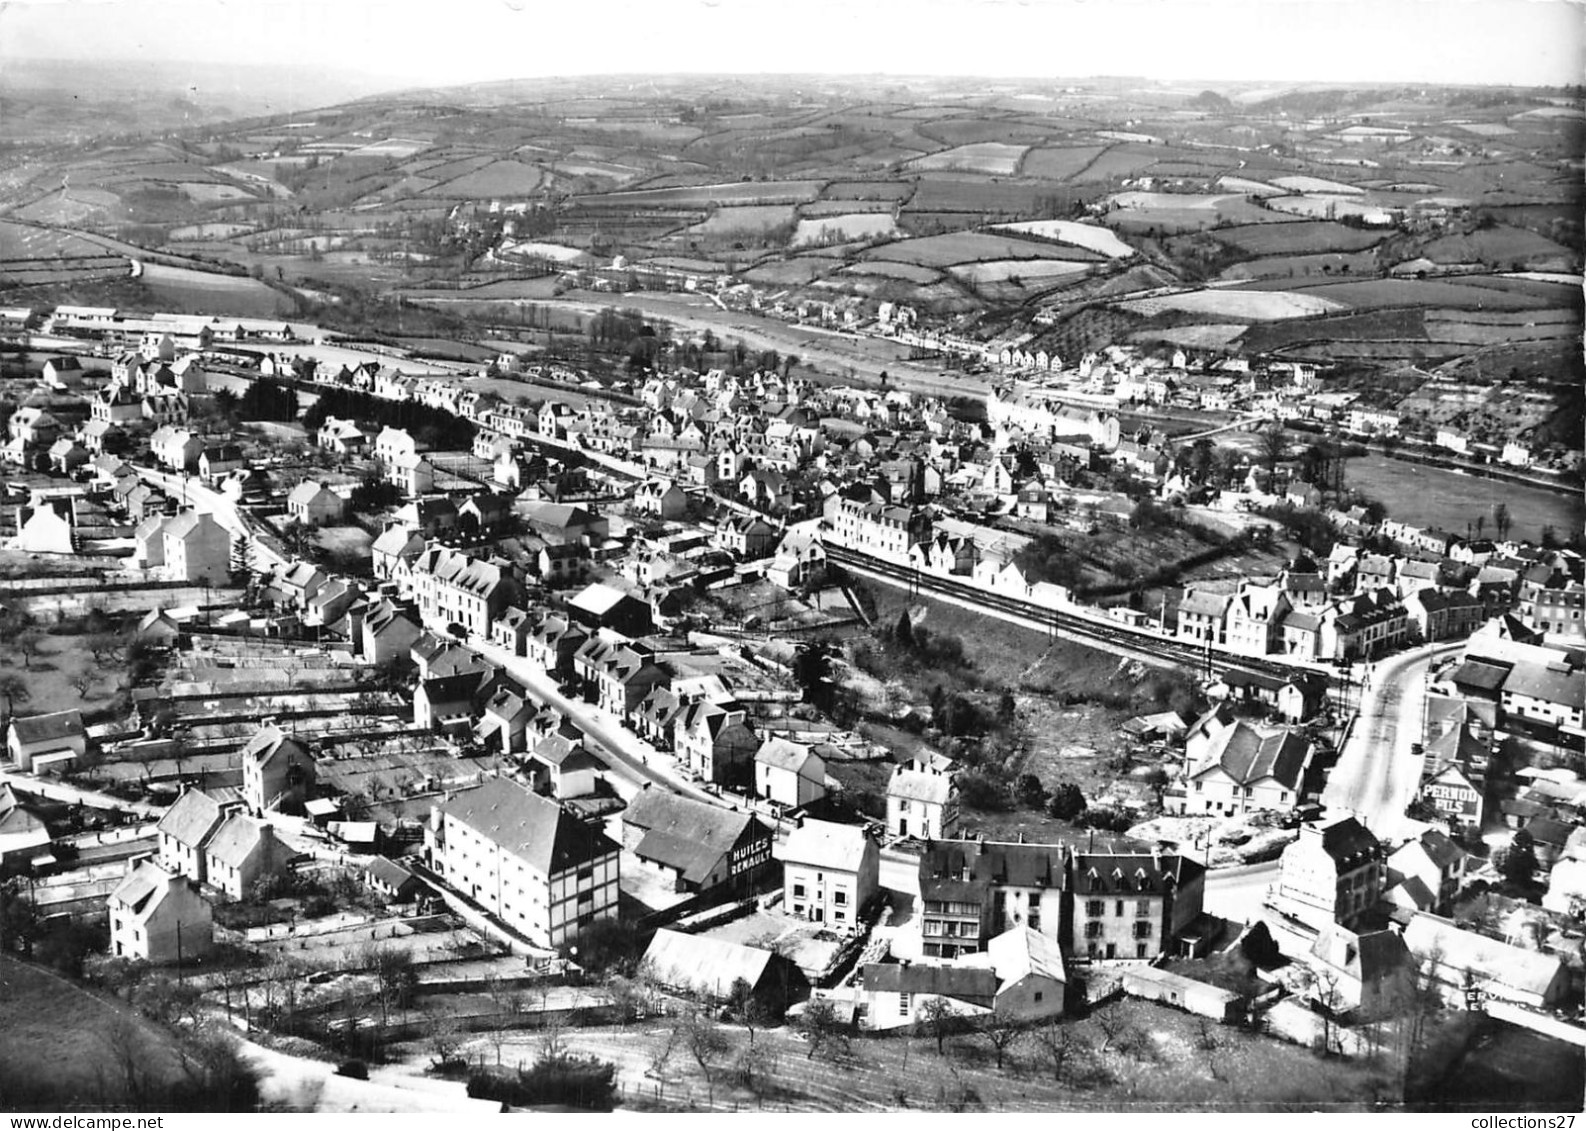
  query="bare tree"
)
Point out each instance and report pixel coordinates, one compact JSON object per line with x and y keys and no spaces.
{"x":661,"y":1057}
{"x":1003,"y":1032}
{"x":707,"y":1045}
{"x":939,"y":1019}
{"x":1062,"y":1048}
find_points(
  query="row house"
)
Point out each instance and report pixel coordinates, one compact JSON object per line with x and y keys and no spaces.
{"x":616,"y":676}
{"x":454,"y":588}
{"x":713,"y":740}
{"x":552,"y":641}
{"x":875,"y":529}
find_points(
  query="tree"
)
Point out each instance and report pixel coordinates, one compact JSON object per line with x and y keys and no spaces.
{"x":1067,"y":801}
{"x":1501,"y":520}
{"x":1002,"y":1032}
{"x":1517,"y":863}
{"x":1157,"y":779}
{"x":1062,"y":1048}
{"x":707,"y":1045}
{"x":745,"y":1007}
{"x":903,"y":631}
{"x":14,"y":690}
{"x":821,"y":1027}
{"x":28,"y":642}
{"x":1030,"y":791}
{"x":938,"y":1019}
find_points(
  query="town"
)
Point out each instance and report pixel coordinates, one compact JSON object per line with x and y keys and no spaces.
{"x":407,"y":711}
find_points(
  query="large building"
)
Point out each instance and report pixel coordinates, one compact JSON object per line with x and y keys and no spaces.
{"x":1333,"y":874}
{"x":525,"y":860}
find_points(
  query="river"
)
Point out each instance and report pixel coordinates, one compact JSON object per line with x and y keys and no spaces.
{"x":1448,"y":500}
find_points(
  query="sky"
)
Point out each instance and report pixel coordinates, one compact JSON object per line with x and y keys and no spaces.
{"x":423,"y":43}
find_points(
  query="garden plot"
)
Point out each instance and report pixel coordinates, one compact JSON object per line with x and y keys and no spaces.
{"x":1093,"y":237}
{"x":1257,"y":306}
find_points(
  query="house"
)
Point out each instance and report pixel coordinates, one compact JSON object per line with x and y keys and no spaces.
{"x":1201,"y":616}
{"x":216,"y":461}
{"x":412,"y":474}
{"x":394,"y":552}
{"x":1364,"y":976}
{"x":617,"y":677}
{"x":277,"y":771}
{"x":552,"y":642}
{"x":1551,"y":694}
{"x":800,"y":557}
{"x":1244,"y":770}
{"x":560,"y":566}
{"x":1437,"y":615}
{"x":391,"y":880}
{"x":22,"y":835}
{"x":560,"y":524}
{"x":712,"y":740}
{"x":703,"y":846}
{"x":242,"y":851}
{"x":601,"y":606}
{"x":1130,"y":905}
{"x":387,"y":635}
{"x":158,"y":917}
{"x":176,"y":448}
{"x":749,"y":536}
{"x":314,"y":504}
{"x":1253,"y":623}
{"x":789,"y":773}
{"x":196,"y":548}
{"x":662,"y":498}
{"x":1436,"y":862}
{"x":1332,"y":874}
{"x":525,"y":860}
{"x":1032,"y":981}
{"x":452,"y":701}
{"x":830,"y":872}
{"x":921,"y":803}
{"x":505,"y":717}
{"x":1468,"y":968}
{"x":895,"y":995}
{"x":43,"y":743}
{"x":709,"y":969}
{"x":184,"y":832}
{"x":560,"y":763}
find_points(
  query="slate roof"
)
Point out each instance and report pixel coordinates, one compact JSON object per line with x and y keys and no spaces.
{"x":913,"y":785}
{"x":191,"y":819}
{"x":825,"y":844}
{"x":534,"y":829}
{"x":702,"y":964}
{"x":237,"y":839}
{"x":690,"y":836}
{"x":1247,"y":756}
{"x":964,"y":983}
{"x":59,"y":726}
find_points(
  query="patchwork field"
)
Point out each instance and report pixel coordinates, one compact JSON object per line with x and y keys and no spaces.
{"x":746,"y":218}
{"x":1329,"y":207}
{"x":1298,"y":238}
{"x":1370,"y":294}
{"x":183,"y":289}
{"x":1314,"y":185}
{"x":702,"y":195}
{"x":910,"y":272}
{"x":1006,"y":270}
{"x":1059,"y":164}
{"x":500,"y":178}
{"x":844,"y":226}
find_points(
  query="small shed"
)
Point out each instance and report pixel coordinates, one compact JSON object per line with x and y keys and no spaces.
{"x":1187,"y":994}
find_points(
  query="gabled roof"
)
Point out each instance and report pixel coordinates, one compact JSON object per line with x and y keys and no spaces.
{"x":1020,"y":952}
{"x":192,"y":819}
{"x":704,"y":965}
{"x":1247,"y":756}
{"x":824,"y":844}
{"x":237,"y":839}
{"x":964,"y":983}
{"x":914,"y":785}
{"x":781,"y":754}
{"x":679,"y":832}
{"x":58,"y":726}
{"x":535,"y":829}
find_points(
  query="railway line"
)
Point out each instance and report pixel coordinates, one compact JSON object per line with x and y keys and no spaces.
{"x":1121,"y":639}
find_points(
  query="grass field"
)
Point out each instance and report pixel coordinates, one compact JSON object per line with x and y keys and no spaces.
{"x":1121,"y":161}
{"x":844,"y":226}
{"x":1248,"y":187}
{"x":1302,"y":266}
{"x":1326,"y":207}
{"x":500,"y":178}
{"x":747,"y":218}
{"x":23,"y":241}
{"x":56,"y":1039}
{"x":868,"y":190}
{"x":1005,"y":270}
{"x":1211,"y":336}
{"x":1272,"y":304}
{"x":186,"y":289}
{"x":948,"y":193}
{"x":909,"y":272}
{"x":1371,"y":294}
{"x":969,"y":131}
{"x":791,"y":271}
{"x":819,"y":208}
{"x":1059,"y":164}
{"x":1303,"y":184}
{"x":981,"y":157}
{"x":51,"y":677}
{"x":1093,"y":237}
{"x":1167,"y":1068}
{"x":747,"y":192}
{"x":1298,"y":238}
{"x":962,"y":247}
{"x":1503,"y":245}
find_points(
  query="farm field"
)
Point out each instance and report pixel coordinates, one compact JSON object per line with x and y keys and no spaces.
{"x":24,"y":241}
{"x":819,"y":208}
{"x":1209,"y":336}
{"x":980,"y":157}
{"x":805,"y":269}
{"x":745,"y":218}
{"x":1227,"y":303}
{"x":205,"y":192}
{"x":1503,"y":245}
{"x":182,"y":288}
{"x":1090,"y":236}
{"x":1328,"y":207}
{"x":1302,"y":184}
{"x":702,"y":195}
{"x":218,"y":231}
{"x":1059,"y":163}
{"x":910,"y":272}
{"x":1005,"y":270}
{"x":1367,"y":294}
{"x":943,"y":192}
{"x":1447,"y":500}
{"x":1297,"y":238}
{"x":1249,"y":187}
{"x":843,"y":226}
{"x":868,"y":190}
{"x":1301,"y":266}
{"x":500,"y":178}
{"x":966,"y":247}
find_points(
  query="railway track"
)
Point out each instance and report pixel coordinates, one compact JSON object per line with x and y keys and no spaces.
{"x":1119,"y":638}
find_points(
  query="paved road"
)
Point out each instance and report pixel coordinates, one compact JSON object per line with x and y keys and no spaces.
{"x":629,"y":757}
{"x":60,"y":791}
{"x":1377,"y":774}
{"x":1239,"y":893}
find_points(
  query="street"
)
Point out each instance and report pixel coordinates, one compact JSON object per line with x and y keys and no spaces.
{"x":1377,"y":774}
{"x":1238,"y":893}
